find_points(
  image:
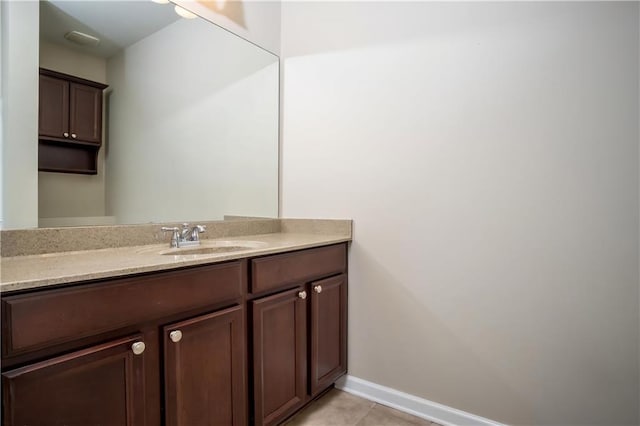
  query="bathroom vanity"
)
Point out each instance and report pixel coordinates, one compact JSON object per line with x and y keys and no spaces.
{"x":242,"y":338}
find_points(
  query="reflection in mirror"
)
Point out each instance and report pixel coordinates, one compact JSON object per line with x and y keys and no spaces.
{"x":190,"y":117}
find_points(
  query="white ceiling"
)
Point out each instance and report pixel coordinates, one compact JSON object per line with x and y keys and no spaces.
{"x":117,"y":24}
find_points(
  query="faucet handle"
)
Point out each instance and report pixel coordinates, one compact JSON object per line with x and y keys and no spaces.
{"x":201,"y":228}
{"x":175,"y":235}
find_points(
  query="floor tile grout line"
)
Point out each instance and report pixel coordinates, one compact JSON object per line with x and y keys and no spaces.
{"x":329,"y":404}
{"x":373,"y":404}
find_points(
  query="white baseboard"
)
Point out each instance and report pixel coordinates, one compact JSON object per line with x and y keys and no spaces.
{"x":410,"y":404}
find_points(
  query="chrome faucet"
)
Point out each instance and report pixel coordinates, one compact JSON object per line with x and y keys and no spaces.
{"x":185,"y":237}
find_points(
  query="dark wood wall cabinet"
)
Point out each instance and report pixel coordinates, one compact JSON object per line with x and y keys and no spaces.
{"x":195,"y":346}
{"x":69,"y":123}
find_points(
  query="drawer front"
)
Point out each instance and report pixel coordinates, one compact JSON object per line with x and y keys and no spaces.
{"x":37,"y":320}
{"x":268,"y":273}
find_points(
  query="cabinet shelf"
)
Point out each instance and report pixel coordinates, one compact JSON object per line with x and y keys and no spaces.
{"x":67,"y":142}
{"x":66,"y":157}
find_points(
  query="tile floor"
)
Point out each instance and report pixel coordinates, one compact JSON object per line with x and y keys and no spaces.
{"x":337,"y":408}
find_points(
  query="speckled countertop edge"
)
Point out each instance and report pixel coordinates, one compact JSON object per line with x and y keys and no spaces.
{"x":52,"y":269}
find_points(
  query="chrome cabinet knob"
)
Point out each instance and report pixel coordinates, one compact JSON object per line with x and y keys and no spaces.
{"x":138,"y":348}
{"x":175,"y":336}
{"x":65,"y":134}
{"x":73,"y":135}
{"x":302,"y":295}
{"x":317,"y":288}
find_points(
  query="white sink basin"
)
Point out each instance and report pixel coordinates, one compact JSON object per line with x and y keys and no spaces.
{"x":207,"y":247}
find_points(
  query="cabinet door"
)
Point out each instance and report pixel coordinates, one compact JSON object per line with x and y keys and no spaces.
{"x":101,"y":385}
{"x":53,"y":108}
{"x":204,"y":370}
{"x":279,"y":355}
{"x":85,"y":113}
{"x":328,"y":332}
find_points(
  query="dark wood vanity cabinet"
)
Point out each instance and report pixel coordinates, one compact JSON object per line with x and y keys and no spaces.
{"x":69,"y":122}
{"x":279,"y":355}
{"x":104,"y":353}
{"x":328,"y":332}
{"x":171,"y":347}
{"x":204,"y":370}
{"x":299,"y":334}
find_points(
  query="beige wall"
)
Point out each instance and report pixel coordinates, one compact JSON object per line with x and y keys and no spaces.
{"x":1,"y":117}
{"x":62,"y":194}
{"x":488,"y":154}
{"x":62,"y":59}
{"x":204,"y":146}
{"x":27,"y":194}
{"x":19,"y":38}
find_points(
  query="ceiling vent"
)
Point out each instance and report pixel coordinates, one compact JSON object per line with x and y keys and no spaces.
{"x":82,"y":38}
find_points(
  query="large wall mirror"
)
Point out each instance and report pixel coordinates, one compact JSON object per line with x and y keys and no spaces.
{"x":190,"y":117}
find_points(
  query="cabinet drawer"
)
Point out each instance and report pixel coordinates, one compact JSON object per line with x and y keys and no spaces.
{"x":271,"y":272}
{"x":36,"y":320}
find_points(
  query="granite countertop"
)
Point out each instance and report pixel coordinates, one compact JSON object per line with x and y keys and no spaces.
{"x":50,"y":269}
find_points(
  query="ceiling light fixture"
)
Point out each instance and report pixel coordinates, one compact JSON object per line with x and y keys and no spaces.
{"x":82,"y":38}
{"x":160,"y":1}
{"x":184,"y":12}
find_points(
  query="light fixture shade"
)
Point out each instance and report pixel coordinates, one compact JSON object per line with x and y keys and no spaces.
{"x":184,"y":12}
{"x":160,"y":1}
{"x":82,"y":38}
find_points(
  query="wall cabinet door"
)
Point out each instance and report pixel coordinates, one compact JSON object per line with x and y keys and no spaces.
{"x":205,"y":382}
{"x":103,"y":385}
{"x":70,"y":108}
{"x":328,"y":359}
{"x":279,"y":355}
{"x":85,"y":113}
{"x":53,"y":109}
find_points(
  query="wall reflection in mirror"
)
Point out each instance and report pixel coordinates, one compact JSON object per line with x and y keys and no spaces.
{"x":190,"y":117}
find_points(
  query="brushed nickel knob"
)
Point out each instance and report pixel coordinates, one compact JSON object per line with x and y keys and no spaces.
{"x":65,"y":134}
{"x":302,"y":295}
{"x":317,"y":288}
{"x":175,"y":336}
{"x":138,"y":348}
{"x":73,"y":135}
